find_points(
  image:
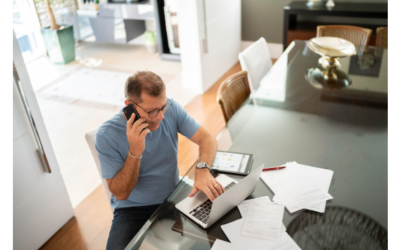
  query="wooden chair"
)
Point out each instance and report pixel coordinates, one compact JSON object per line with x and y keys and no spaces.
{"x":232,"y":93}
{"x":357,"y":35}
{"x":382,"y":37}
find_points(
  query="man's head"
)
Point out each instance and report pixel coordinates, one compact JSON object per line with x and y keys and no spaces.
{"x":146,"y":89}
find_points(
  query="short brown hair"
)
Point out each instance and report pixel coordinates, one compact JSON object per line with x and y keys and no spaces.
{"x":146,"y":81}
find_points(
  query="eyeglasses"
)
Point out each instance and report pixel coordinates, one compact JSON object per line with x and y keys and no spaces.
{"x":155,"y":112}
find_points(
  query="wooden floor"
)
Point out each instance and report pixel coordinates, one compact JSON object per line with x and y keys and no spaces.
{"x":204,"y":109}
{"x":90,"y":226}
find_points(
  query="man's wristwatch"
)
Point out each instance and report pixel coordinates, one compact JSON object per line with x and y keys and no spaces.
{"x":201,"y":165}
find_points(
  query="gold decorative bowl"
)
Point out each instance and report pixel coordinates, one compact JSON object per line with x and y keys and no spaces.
{"x":330,"y":49}
{"x":331,"y":46}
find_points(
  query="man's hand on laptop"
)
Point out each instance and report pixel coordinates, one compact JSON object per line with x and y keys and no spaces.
{"x":136,"y":135}
{"x":205,"y":182}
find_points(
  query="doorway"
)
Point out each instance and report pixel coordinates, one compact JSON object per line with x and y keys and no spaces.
{"x":27,"y":30}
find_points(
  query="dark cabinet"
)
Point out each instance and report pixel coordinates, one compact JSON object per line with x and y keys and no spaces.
{"x":300,"y":21}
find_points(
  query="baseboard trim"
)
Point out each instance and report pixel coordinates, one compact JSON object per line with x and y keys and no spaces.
{"x":276,"y":49}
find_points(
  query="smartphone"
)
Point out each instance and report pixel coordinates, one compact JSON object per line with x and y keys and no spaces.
{"x":129,"y":110}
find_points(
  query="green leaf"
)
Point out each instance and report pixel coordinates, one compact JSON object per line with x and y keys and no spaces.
{"x":150,"y":37}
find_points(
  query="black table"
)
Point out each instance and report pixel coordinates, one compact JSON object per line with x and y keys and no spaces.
{"x":286,"y":120}
{"x":353,"y":10}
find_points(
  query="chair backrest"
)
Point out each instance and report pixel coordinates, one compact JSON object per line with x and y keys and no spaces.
{"x":91,"y":140}
{"x":256,"y":60}
{"x":232,"y":93}
{"x":382,"y":37}
{"x":359,"y":36}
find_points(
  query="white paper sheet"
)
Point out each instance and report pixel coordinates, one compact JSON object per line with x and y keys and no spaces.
{"x":300,"y":199}
{"x":263,"y":220}
{"x":244,"y":207}
{"x":223,"y":245}
{"x":295,"y":174}
{"x":233,"y":231}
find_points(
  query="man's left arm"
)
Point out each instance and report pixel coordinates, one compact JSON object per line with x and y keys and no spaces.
{"x":204,"y":181}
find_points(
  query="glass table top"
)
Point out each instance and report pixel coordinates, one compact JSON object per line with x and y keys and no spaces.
{"x":288,"y":119}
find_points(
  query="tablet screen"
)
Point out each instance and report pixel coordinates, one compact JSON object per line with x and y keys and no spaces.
{"x":232,"y":162}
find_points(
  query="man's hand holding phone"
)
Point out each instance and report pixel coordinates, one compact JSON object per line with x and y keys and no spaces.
{"x":136,"y":133}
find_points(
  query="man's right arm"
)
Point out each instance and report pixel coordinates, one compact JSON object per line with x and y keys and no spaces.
{"x":122,"y":184}
{"x":125,"y":180}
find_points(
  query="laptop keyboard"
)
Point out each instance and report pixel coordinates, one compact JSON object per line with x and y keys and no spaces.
{"x":202,"y":211}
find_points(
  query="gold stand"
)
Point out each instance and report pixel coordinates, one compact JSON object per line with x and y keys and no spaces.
{"x":330,"y":77}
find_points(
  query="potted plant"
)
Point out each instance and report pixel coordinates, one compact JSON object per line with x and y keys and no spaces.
{"x":95,"y":2}
{"x":59,"y":39}
{"x":151,"y":41}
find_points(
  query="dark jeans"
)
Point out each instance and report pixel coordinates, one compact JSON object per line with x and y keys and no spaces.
{"x":126,"y":224}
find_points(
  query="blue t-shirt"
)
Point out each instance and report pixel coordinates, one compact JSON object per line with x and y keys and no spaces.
{"x":158,"y":173}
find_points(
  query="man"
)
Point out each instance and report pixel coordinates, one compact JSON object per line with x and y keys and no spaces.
{"x":139,"y":160}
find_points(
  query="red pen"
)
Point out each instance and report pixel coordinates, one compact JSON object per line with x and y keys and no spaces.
{"x":274,"y":168}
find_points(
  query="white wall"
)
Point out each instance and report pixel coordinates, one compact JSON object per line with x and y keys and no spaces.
{"x":223,"y":39}
{"x":189,"y":41}
{"x":210,"y":40}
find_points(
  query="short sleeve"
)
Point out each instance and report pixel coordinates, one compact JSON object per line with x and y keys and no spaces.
{"x":187,"y":126}
{"x":111,"y":161}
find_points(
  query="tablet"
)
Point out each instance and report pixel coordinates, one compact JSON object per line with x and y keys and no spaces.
{"x":232,"y":162}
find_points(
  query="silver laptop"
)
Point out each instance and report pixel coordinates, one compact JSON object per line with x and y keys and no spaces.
{"x":205,"y":213}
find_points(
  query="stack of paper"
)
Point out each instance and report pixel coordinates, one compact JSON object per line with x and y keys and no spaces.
{"x":260,"y":228}
{"x":299,"y":186}
{"x":244,"y":207}
{"x":296,"y":187}
{"x":263,"y":220}
{"x":233,"y":232}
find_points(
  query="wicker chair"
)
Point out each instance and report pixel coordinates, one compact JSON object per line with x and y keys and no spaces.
{"x":232,"y":93}
{"x":357,"y":35}
{"x":382,"y":37}
{"x":337,"y":228}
